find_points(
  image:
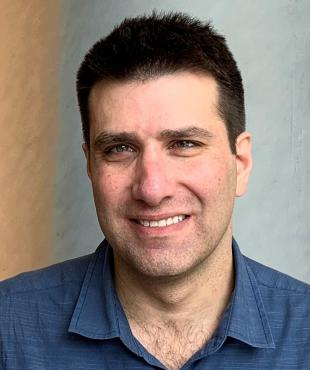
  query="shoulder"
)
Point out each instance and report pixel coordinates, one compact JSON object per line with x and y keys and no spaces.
{"x":41,"y":300}
{"x":272,"y":279}
{"x":285,"y":299}
{"x":52,"y":277}
{"x":36,"y":309}
{"x":281,"y":305}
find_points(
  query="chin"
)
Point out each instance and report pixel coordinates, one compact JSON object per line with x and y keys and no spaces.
{"x":164,"y":266}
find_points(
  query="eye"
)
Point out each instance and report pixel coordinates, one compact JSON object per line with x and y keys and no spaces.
{"x":120,"y":148}
{"x":118,"y":152}
{"x":186,"y":148}
{"x":184,"y":144}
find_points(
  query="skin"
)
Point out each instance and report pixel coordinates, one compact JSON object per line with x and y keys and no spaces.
{"x":158,"y":149}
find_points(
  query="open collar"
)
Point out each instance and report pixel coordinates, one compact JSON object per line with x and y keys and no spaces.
{"x":98,"y":313}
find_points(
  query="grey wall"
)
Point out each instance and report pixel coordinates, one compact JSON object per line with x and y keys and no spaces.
{"x":271,"y":42}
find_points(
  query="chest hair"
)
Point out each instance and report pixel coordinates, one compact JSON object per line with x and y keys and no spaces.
{"x":170,"y":344}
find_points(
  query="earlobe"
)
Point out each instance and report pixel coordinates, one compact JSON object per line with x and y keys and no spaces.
{"x":87,"y":157}
{"x":243,"y":161}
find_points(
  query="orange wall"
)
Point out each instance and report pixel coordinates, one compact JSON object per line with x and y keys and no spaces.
{"x":28,"y":128}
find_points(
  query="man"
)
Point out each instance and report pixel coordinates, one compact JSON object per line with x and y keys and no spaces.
{"x":161,"y":102}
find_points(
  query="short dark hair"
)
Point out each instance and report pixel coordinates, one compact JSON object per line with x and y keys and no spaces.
{"x":145,"y":47}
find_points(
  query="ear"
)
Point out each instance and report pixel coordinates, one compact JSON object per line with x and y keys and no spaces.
{"x":243,"y":161}
{"x":86,"y":151}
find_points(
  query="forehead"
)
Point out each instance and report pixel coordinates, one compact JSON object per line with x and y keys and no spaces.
{"x":163,"y":102}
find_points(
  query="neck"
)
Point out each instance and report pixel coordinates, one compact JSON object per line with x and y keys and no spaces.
{"x":201,"y":294}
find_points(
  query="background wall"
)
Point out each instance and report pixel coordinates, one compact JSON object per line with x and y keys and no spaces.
{"x":28,"y":122}
{"x":271,"y":42}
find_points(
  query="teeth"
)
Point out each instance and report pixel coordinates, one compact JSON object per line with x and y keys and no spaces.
{"x":162,"y":223}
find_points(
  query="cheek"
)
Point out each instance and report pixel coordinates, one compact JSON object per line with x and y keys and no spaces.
{"x":109,"y":188}
{"x":208,"y":179}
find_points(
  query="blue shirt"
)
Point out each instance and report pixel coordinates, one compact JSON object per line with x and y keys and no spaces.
{"x":68,"y":316}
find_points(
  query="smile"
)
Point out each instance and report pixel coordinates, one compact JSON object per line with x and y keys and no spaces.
{"x":162,"y":223}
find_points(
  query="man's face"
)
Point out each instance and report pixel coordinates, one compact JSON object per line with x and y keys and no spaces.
{"x":163,"y":175}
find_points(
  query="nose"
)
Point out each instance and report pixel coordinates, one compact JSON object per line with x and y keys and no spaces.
{"x":153,"y":180}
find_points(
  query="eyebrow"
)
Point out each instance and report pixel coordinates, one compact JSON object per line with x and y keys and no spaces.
{"x":191,"y":131}
{"x":106,"y":137}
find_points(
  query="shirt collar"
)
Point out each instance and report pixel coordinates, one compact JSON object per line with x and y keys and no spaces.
{"x":95,"y":314}
{"x":98,"y":313}
{"x":248,"y":319}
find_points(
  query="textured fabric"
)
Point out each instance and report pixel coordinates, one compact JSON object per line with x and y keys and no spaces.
{"x":68,"y":316}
